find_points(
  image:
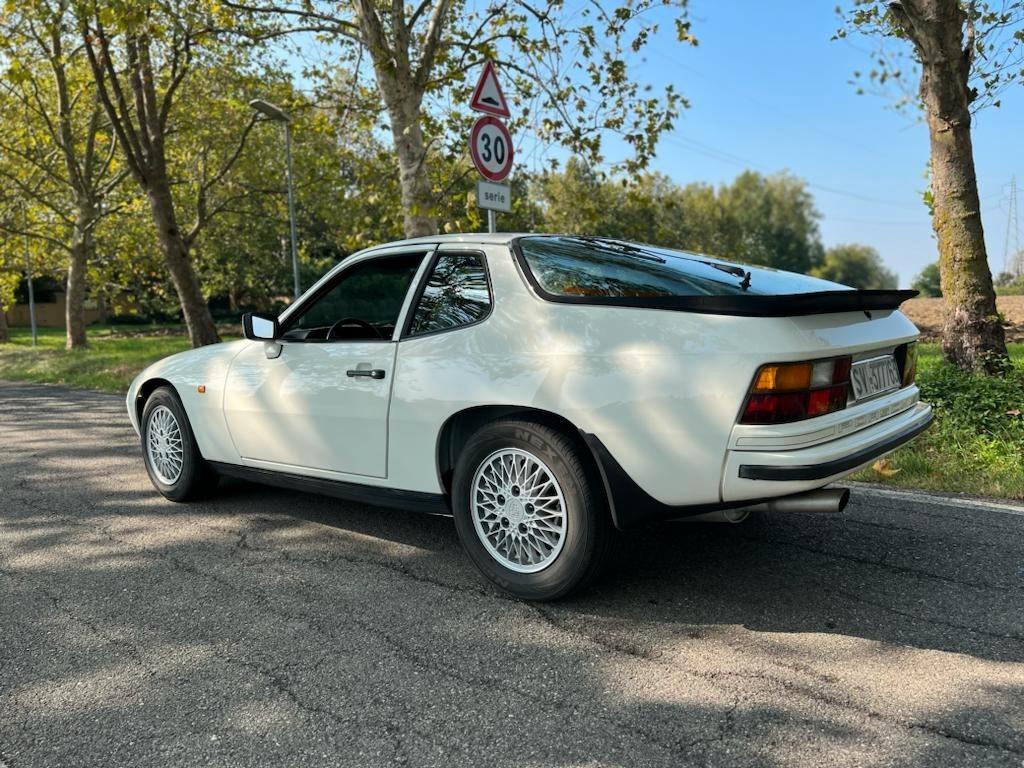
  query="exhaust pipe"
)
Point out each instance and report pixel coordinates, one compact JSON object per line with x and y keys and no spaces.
{"x":823,"y":500}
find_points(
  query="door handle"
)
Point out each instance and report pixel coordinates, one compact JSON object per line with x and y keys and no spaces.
{"x":373,"y":373}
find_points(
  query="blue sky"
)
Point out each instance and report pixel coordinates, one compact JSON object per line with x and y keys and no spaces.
{"x":769,"y":89}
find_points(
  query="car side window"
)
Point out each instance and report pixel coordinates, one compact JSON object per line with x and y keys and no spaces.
{"x":363,"y":304}
{"x":456,"y":294}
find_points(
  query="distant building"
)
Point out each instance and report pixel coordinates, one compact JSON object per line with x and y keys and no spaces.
{"x":51,"y":305}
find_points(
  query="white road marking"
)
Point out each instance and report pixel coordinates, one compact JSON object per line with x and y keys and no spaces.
{"x":942,"y":501}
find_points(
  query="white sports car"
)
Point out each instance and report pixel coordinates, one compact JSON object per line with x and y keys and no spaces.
{"x":545,"y":391}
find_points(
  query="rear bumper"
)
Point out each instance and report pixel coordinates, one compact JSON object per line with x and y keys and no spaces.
{"x":759,"y":474}
{"x":836,"y":466}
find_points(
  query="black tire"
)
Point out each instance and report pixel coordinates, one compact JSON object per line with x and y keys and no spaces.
{"x":588,"y":531}
{"x":196,"y":478}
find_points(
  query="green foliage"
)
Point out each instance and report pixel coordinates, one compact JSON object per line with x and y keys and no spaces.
{"x":928,"y":282}
{"x":976,"y":444}
{"x":858,"y":266}
{"x":977,"y":404}
{"x":9,"y":280}
{"x":767,"y":220}
{"x":1008,"y":284}
{"x":993,"y":37}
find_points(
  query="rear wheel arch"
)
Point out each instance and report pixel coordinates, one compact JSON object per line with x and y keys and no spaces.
{"x":529,"y":508}
{"x":461,"y":426}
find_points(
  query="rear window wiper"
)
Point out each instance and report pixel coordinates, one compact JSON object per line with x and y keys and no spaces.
{"x":732,"y":270}
{"x":618,"y":245}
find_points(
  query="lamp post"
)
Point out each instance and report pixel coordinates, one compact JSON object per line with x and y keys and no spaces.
{"x":31,"y":292}
{"x":278,"y":115}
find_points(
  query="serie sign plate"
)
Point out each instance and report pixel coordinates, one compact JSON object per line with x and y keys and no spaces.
{"x":494,"y":197}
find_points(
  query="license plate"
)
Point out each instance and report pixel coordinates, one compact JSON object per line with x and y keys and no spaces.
{"x":875,"y":376}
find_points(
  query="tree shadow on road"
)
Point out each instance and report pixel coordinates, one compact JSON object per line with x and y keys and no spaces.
{"x":270,"y":627}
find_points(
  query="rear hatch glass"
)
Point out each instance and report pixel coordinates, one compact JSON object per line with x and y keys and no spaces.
{"x":602,"y":271}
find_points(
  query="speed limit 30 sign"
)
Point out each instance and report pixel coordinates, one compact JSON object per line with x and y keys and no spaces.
{"x":490,"y":146}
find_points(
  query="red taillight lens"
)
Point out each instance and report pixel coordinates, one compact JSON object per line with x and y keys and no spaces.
{"x":785,"y":392}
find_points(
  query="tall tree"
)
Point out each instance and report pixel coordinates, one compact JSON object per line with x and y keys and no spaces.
{"x":855,"y":265}
{"x":928,"y":281}
{"x":48,"y":102}
{"x":568,"y":70}
{"x":141,"y":54}
{"x":966,"y":53}
{"x":769,"y":220}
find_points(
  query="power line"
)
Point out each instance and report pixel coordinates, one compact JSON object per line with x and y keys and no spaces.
{"x":713,"y":153}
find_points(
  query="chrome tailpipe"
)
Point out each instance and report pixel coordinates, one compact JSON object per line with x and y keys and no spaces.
{"x":821,"y":501}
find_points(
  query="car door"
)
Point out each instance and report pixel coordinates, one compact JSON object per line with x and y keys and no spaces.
{"x":316,"y":400}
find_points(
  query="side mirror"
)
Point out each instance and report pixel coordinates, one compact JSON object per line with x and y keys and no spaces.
{"x":258,"y":326}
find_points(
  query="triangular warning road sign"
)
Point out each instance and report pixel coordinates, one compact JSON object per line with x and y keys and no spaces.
{"x":487,"y":96}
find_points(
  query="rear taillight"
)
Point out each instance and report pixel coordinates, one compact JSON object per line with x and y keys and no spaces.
{"x":784,"y":392}
{"x":910,"y":364}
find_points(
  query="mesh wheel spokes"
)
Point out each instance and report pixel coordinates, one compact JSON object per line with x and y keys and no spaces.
{"x":164,"y":445}
{"x":518,"y":510}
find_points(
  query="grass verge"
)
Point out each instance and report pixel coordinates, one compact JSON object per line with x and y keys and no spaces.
{"x":976,"y":444}
{"x":115,"y":355}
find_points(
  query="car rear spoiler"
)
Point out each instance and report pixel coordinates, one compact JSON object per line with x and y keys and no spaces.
{"x":796,"y":304}
{"x":754,"y":305}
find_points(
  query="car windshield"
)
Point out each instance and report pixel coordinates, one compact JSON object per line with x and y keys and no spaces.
{"x":597,"y":267}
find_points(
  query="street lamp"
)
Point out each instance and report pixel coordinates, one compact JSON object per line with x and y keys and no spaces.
{"x":278,"y":115}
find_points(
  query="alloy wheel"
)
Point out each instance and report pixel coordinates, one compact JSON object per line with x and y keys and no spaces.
{"x":518,"y":510}
{"x":164,"y":445}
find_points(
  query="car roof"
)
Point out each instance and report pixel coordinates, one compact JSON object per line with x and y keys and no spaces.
{"x":495,"y":238}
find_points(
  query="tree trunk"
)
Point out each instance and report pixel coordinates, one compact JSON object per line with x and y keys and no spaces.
{"x":201,"y":328}
{"x":417,"y":196}
{"x":972,"y":337}
{"x":4,"y":333}
{"x":74,"y":312}
{"x":403,"y":104}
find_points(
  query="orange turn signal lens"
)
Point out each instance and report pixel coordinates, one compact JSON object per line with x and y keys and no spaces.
{"x":783,"y":378}
{"x":784,"y":392}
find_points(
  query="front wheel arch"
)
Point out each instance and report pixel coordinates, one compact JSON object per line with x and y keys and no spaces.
{"x":195,"y":478}
{"x":147,"y":388}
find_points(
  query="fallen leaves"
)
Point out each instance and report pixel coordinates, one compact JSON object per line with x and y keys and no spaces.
{"x":885,"y":468}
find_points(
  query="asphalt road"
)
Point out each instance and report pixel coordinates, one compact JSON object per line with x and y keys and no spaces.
{"x":269,"y":628}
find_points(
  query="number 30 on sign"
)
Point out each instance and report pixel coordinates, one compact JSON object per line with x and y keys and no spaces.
{"x":490,"y":145}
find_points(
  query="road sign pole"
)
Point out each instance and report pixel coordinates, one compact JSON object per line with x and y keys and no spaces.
{"x":490,"y":146}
